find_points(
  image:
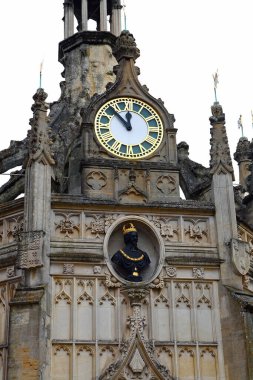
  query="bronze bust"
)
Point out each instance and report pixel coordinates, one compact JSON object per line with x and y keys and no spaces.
{"x":130,"y":260}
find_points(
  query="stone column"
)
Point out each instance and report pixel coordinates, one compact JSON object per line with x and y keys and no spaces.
{"x":68,"y":18}
{"x":84,"y":15}
{"x":116,"y":19}
{"x":222,"y":172}
{"x":30,"y":308}
{"x":103,"y":15}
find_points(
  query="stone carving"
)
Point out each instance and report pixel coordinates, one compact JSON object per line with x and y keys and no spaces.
{"x":97,"y":226}
{"x":166,"y":184}
{"x":137,"y":356}
{"x":67,"y":226}
{"x":195,"y":231}
{"x":245,"y":281}
{"x":243,"y":151}
{"x":220,"y":152}
{"x":240,"y":256}
{"x":39,"y":135}
{"x":111,"y":281}
{"x":30,"y":249}
{"x":96,"y":180}
{"x":100,"y":224}
{"x":168,"y":227}
{"x":63,"y":294}
{"x":126,"y":46}
{"x":171,"y":271}
{"x":195,"y":179}
{"x":85,"y":296}
{"x":203,"y":295}
{"x":130,"y":260}
{"x":198,"y":272}
{"x":137,"y":364}
{"x":15,"y":227}
{"x":161,"y":299}
{"x":132,"y":193}
{"x":97,"y":269}
{"x":10,"y":272}
{"x":68,"y":268}
{"x":183,"y":298}
{"x":107,"y":297}
{"x":158,"y":283}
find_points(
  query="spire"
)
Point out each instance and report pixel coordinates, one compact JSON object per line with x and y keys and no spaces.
{"x":220,"y":153}
{"x":39,"y":135}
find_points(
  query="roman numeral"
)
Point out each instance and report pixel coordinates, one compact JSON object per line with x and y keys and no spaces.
{"x":151,"y":140}
{"x":129,"y":106}
{"x":149,"y":118}
{"x":104,"y":125}
{"x":116,"y":107}
{"x":106,"y":136}
{"x":153,"y":129}
{"x":142,"y":149}
{"x":129,"y":150}
{"x":116,"y":146}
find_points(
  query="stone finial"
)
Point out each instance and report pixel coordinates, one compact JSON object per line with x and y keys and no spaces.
{"x":126,"y":47}
{"x":220,"y":152}
{"x":39,"y":135}
{"x":243,"y":150}
{"x":217,"y":114}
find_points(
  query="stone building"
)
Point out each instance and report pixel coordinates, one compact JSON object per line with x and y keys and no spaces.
{"x":80,"y":297}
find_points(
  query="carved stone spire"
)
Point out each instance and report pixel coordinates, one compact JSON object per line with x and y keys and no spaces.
{"x":243,"y":156}
{"x":220,"y":152}
{"x":39,"y":135}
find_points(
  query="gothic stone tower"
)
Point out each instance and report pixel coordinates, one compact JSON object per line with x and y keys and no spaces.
{"x":106,"y":273}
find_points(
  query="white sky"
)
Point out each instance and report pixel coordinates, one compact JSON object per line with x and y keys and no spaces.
{"x":182,"y":43}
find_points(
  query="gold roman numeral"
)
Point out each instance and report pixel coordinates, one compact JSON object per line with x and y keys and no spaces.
{"x":151,"y":140}
{"x":153,"y":129}
{"x":116,"y":107}
{"x":142,"y":149}
{"x":129,"y":106}
{"x":106,"y":136}
{"x":116,"y":146}
{"x":130,"y":150}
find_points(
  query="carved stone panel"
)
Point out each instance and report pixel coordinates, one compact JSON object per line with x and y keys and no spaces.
{"x":98,"y":183}
{"x":163,"y":186}
{"x":30,"y":249}
{"x":196,"y":231}
{"x":240,"y":256}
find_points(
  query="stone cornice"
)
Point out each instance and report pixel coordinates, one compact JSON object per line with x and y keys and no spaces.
{"x":87,"y":38}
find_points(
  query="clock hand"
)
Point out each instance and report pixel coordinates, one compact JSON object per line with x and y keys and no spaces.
{"x":129,"y":117}
{"x":123,"y":121}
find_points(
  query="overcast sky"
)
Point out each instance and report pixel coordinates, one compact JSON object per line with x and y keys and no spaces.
{"x":182,"y":43}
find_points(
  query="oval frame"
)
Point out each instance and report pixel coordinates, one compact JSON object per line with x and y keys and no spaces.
{"x":149,"y":240}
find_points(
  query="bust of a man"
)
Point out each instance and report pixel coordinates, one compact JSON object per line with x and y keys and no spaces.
{"x":130,"y":260}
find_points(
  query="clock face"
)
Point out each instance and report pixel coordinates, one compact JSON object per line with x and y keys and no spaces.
{"x":128,"y":128}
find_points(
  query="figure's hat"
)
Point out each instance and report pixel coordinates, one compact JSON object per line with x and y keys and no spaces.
{"x":129,"y":227}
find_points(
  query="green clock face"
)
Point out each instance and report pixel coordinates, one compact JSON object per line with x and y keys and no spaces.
{"x":128,"y":128}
